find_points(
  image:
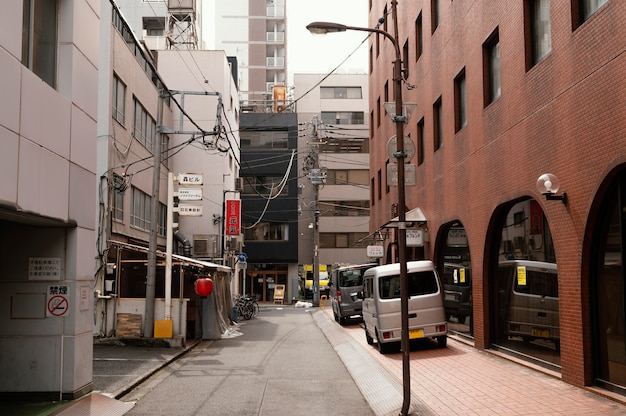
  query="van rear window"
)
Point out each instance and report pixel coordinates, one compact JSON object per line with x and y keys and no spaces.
{"x":537,"y":282}
{"x":351,"y":277}
{"x":420,"y":283}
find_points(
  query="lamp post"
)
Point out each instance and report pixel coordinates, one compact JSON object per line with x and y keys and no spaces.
{"x":399,"y":119}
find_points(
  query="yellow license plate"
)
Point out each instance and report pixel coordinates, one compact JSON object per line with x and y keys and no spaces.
{"x":541,"y":333}
{"x":416,"y":333}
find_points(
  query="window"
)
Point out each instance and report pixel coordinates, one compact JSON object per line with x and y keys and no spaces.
{"x":343,"y":117}
{"x":162,"y":230}
{"x":144,"y":126}
{"x":119,"y":100}
{"x":434,"y":15}
{"x":387,"y":187}
{"x":140,"y":215}
{"x":380,"y":184}
{"x":420,"y":142}
{"x":263,"y":185}
{"x":372,"y":192}
{"x":437,"y":124}
{"x":344,"y":208}
{"x":582,"y":10}
{"x":266,"y":231}
{"x":405,"y":58}
{"x":460,"y":102}
{"x":537,"y":25}
{"x":418,"y":37}
{"x":378,"y":112}
{"x":386,"y":92}
{"x":341,"y":92}
{"x":347,"y":177}
{"x":345,"y":144}
{"x":264,"y":140}
{"x":491,"y":68}
{"x":340,"y":240}
{"x":119,"y":186}
{"x":420,"y":283}
{"x":39,"y":39}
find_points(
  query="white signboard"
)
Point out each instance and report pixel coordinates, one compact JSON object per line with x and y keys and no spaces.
{"x":375,"y":251}
{"x":190,"y":210}
{"x":190,"y":179}
{"x":415,"y":238}
{"x":190,"y":194}
{"x":44,"y":268}
{"x":392,"y":174}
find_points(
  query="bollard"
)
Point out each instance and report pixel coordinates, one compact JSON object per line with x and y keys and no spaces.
{"x":323,"y":300}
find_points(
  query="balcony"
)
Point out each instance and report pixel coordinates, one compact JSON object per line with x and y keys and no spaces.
{"x":275,"y":37}
{"x":275,"y":62}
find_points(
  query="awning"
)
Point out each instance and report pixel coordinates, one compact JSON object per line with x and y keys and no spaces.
{"x":181,"y":259}
{"x":413,"y":217}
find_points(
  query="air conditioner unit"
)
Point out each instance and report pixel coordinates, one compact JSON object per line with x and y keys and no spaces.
{"x":205,"y":245}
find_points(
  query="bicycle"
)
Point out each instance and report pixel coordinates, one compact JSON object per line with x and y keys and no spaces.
{"x":247,"y":306}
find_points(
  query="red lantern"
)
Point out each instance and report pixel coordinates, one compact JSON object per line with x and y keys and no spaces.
{"x":204,"y":287}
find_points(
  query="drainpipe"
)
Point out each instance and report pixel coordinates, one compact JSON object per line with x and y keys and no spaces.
{"x":180,"y":237}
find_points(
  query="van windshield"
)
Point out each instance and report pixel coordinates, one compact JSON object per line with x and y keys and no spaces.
{"x":350,"y":277}
{"x":420,"y":283}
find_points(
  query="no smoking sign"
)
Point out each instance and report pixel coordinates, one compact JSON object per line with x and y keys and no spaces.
{"x":58,"y":304}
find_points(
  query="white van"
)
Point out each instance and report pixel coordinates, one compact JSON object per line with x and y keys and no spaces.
{"x":381,"y":304}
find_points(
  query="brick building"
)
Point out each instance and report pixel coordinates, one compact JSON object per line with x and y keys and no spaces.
{"x":506,"y":92}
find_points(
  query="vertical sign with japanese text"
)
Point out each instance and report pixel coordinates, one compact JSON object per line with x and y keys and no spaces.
{"x":233,"y":217}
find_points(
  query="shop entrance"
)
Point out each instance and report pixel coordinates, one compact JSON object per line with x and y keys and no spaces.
{"x":263,"y":278}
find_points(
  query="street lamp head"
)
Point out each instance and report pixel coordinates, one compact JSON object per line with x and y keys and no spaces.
{"x":321,"y":28}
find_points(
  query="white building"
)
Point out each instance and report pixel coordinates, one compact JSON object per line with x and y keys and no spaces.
{"x":47,"y":196}
{"x":333,"y":119}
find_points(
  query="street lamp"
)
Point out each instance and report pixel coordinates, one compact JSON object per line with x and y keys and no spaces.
{"x":399,"y":119}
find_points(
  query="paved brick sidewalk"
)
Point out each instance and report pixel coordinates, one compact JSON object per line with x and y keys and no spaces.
{"x":462,"y":380}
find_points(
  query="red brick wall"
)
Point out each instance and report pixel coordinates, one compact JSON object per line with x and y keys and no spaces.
{"x":565,"y":115}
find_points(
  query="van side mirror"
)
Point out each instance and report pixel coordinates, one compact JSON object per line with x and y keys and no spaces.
{"x":359,"y":295}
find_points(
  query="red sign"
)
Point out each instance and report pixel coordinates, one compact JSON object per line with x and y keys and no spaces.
{"x":233,"y":217}
{"x":536,"y":218}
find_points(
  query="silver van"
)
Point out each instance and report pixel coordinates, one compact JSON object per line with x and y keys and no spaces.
{"x":529,"y":301}
{"x":381,"y":304}
{"x":345,"y":284}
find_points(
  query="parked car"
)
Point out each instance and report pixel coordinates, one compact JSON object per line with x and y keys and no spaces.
{"x":381,"y":304}
{"x":345,"y":284}
{"x":457,"y":284}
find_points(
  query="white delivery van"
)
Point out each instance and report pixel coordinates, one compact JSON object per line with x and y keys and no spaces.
{"x":381,"y":304}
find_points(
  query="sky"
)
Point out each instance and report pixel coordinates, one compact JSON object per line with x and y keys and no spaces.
{"x":308,"y":53}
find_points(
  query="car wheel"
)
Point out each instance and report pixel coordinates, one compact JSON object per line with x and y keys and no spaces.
{"x":462,"y":319}
{"x":442,"y":341}
{"x":382,"y":347}
{"x":369,"y":339}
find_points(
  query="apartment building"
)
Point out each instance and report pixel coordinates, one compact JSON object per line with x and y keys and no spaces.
{"x":520,"y":130}
{"x":332,"y":118}
{"x":182,"y":106}
{"x":254,"y":32}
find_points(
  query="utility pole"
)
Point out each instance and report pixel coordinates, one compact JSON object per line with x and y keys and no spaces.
{"x":317,"y":178}
{"x":148,"y":324}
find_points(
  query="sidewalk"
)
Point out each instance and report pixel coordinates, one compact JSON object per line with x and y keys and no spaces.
{"x":462,"y":380}
{"x":456,"y":380}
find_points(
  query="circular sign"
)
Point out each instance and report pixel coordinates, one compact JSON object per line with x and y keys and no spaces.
{"x":58,"y":306}
{"x":409,"y":147}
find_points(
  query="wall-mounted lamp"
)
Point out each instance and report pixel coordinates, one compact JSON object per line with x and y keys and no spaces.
{"x":548,"y":185}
